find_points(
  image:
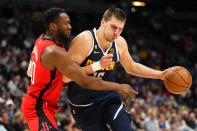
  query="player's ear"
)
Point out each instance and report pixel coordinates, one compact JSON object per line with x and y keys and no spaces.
{"x":53,"y":26}
{"x":102,"y":21}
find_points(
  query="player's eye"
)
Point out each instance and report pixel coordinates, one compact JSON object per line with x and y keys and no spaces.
{"x":114,"y":27}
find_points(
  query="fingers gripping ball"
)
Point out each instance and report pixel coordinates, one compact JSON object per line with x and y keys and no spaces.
{"x":177,"y":80}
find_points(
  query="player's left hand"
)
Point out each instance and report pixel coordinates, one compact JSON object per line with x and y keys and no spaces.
{"x":131,"y":97}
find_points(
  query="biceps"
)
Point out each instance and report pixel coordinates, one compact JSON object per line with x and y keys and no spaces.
{"x":77,"y":53}
{"x":127,"y":61}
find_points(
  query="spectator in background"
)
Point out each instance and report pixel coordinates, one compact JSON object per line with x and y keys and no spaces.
{"x":5,"y":121}
{"x":19,"y":123}
{"x":151,"y":123}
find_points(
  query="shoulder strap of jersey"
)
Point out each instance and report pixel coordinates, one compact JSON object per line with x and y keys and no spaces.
{"x":92,"y":32}
{"x":93,"y":41}
{"x":117,"y":50}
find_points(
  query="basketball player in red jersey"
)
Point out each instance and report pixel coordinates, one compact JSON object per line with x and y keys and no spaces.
{"x":49,"y":61}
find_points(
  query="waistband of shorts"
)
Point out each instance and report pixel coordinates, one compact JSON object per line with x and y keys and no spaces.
{"x":80,"y":105}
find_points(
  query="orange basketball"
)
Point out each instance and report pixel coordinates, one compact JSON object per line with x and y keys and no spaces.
{"x":177,"y":80}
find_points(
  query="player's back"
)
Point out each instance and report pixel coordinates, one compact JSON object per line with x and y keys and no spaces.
{"x":45,"y":84}
{"x":79,"y":95}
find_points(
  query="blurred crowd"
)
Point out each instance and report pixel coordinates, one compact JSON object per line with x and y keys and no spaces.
{"x":155,"y":39}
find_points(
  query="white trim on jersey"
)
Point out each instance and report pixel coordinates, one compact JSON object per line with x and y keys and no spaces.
{"x":85,"y":105}
{"x":115,"y":116}
{"x":104,"y":52}
{"x":92,"y":44}
{"x":117,"y":51}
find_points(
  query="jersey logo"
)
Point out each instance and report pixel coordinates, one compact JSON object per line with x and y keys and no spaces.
{"x":111,"y":51}
{"x":96,"y":52}
{"x":106,"y":69}
{"x":45,"y":126}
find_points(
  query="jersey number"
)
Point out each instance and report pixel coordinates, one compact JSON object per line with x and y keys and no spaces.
{"x":99,"y":74}
{"x":33,"y":69}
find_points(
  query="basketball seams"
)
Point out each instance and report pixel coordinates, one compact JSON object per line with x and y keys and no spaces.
{"x":175,"y":83}
{"x":178,"y":80}
{"x":175,"y":90}
{"x":180,"y":77}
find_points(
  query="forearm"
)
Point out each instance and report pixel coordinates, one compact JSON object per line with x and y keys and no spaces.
{"x":78,"y":75}
{"x":138,"y":69}
{"x":88,"y":69}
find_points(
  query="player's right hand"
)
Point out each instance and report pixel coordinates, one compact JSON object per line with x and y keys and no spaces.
{"x":106,"y":61}
{"x":127,"y":92}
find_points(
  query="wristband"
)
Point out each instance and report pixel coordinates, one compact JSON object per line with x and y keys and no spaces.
{"x":96,"y":66}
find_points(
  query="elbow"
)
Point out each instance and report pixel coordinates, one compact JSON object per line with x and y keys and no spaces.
{"x":127,"y":71}
{"x":130,"y":72}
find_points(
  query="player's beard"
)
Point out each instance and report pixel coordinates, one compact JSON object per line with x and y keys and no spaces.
{"x":66,"y":39}
{"x":108,"y":39}
{"x":63,"y":37}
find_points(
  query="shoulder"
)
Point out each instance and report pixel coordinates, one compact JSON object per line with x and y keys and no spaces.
{"x":83,"y":36}
{"x":121,"y":44}
{"x":82,"y":42}
{"x":42,"y":44}
{"x":53,"y":50}
{"x":52,"y":55}
{"x":120,"y":41}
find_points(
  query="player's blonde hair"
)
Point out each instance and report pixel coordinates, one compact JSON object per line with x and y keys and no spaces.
{"x":117,"y":12}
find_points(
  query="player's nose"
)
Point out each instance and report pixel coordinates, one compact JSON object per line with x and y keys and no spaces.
{"x":69,"y":27}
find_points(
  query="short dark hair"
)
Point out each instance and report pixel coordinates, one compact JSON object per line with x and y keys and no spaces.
{"x":51,"y":15}
{"x":113,"y":11}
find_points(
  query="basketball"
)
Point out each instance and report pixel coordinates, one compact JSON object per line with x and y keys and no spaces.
{"x":177,"y":80}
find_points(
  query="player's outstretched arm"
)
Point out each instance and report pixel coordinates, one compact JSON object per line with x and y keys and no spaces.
{"x":52,"y":58}
{"x":135,"y":68}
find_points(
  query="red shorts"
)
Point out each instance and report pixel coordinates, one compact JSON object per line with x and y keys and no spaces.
{"x":39,"y":114}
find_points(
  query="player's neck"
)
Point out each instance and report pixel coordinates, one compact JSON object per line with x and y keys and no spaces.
{"x":101,"y":39}
{"x":52,"y":37}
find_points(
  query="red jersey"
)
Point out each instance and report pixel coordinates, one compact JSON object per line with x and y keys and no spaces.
{"x":46,"y":84}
